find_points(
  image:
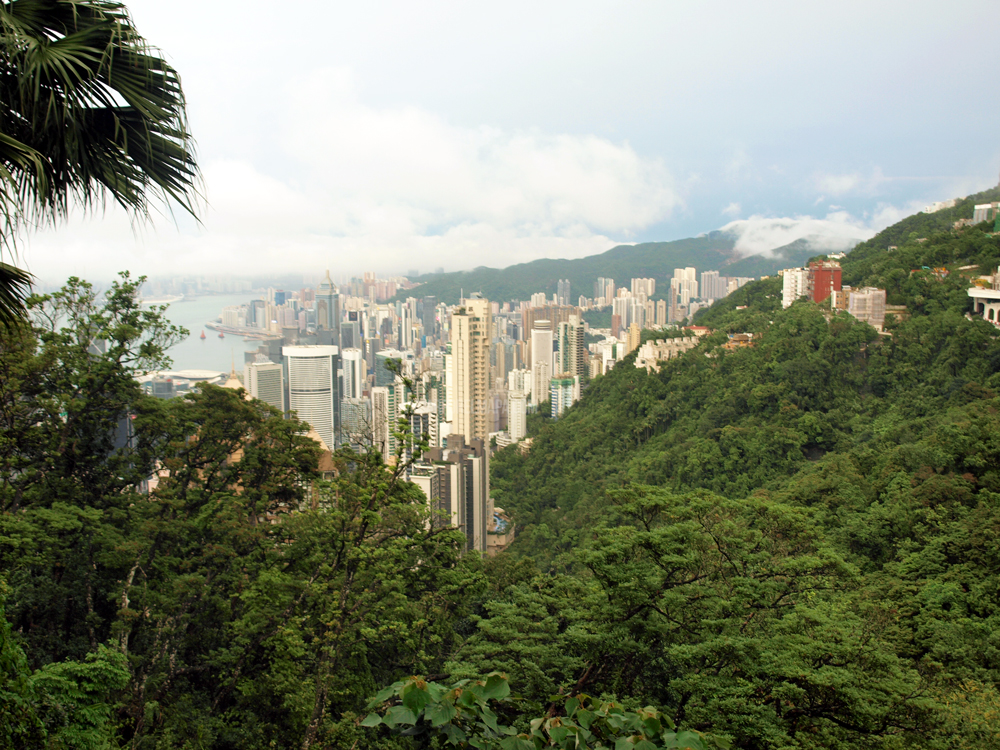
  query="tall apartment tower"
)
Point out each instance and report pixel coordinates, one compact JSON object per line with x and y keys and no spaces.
{"x":643,"y":286}
{"x":605,"y":288}
{"x":312,"y":388}
{"x":541,"y":360}
{"x":562,"y":292}
{"x":355,"y":372}
{"x":264,"y":380}
{"x":385,"y":413}
{"x":328,"y":308}
{"x":471,"y":337}
{"x":571,"y":349}
{"x":517,"y":419}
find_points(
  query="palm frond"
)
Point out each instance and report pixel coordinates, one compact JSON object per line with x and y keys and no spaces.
{"x":88,"y":111}
{"x":15,"y":285}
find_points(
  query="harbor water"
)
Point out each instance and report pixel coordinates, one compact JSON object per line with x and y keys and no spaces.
{"x":210,"y":353}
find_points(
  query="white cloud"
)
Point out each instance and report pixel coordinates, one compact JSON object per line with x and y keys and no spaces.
{"x":354,"y":187}
{"x":733,"y":209}
{"x":762,"y":234}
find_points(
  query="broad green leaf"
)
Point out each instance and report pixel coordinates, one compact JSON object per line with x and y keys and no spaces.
{"x":496,"y":687}
{"x":371,"y":720}
{"x":559,"y":734}
{"x":571,"y":705}
{"x":585,"y":717}
{"x":441,"y":713}
{"x":652,"y":727}
{"x":490,"y":718}
{"x":688,"y":740}
{"x":414,"y":698}
{"x":455,"y":735}
{"x":399,"y":715}
{"x":385,"y":694}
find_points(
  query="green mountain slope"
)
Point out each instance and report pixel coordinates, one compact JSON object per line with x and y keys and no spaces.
{"x":657,"y":260}
{"x":797,"y":543}
{"x":735,"y":422}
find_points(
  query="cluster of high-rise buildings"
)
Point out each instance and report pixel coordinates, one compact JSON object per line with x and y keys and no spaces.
{"x":636,"y":304}
{"x":464,"y":377}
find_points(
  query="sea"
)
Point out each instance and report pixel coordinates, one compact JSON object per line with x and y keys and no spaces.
{"x":212,"y":353}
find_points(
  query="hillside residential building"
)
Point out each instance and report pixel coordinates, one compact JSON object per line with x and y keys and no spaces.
{"x":564,"y":392}
{"x":653,"y":352}
{"x":517,"y":411}
{"x":824,"y":279}
{"x":868,"y":305}
{"x":986,"y":298}
{"x":794,"y":284}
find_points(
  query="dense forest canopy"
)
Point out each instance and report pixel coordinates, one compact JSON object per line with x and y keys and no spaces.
{"x":794,"y":544}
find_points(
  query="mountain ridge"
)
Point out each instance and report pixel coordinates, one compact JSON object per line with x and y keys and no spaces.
{"x":714,"y":251}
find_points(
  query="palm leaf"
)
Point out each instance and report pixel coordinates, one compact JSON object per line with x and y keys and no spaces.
{"x":15,"y":285}
{"x":88,"y":111}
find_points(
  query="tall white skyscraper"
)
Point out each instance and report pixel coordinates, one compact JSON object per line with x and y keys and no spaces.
{"x":541,"y":361}
{"x":312,"y":388}
{"x":264,"y":380}
{"x":355,"y":371}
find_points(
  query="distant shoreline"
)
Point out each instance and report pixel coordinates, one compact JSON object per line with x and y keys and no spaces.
{"x":163,"y":300}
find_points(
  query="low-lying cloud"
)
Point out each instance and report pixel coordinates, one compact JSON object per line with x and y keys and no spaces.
{"x":354,"y":187}
{"x":762,"y":234}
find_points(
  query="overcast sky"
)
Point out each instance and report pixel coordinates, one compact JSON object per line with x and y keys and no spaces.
{"x":394,"y":136}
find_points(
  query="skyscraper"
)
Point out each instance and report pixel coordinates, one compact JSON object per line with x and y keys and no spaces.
{"x":471,"y":337}
{"x":385,"y":413}
{"x":562,"y":291}
{"x":312,"y":388}
{"x":571,"y":349}
{"x":328,"y":308}
{"x":643,"y":286}
{"x":264,"y":380}
{"x":355,"y":373}
{"x":541,"y":361}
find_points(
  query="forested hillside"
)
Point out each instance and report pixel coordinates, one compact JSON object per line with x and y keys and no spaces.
{"x":656,"y":260}
{"x":794,"y":543}
{"x":790,"y":545}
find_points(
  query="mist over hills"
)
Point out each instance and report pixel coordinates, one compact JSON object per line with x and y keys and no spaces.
{"x":715,"y":251}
